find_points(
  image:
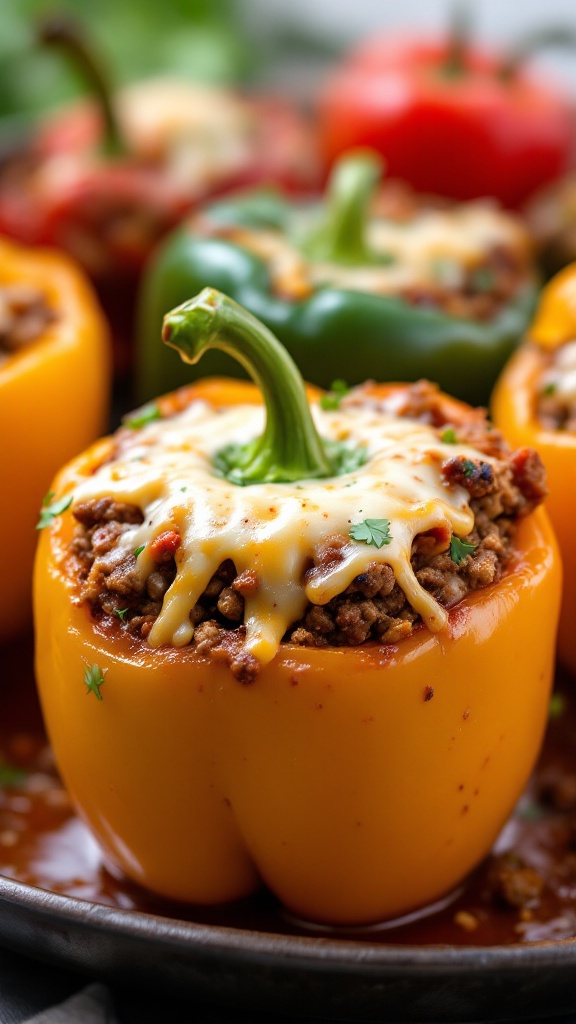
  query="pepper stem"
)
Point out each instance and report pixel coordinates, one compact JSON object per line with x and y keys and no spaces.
{"x":342,"y":236}
{"x":64,"y":32}
{"x":290,"y":448}
{"x":459,"y":35}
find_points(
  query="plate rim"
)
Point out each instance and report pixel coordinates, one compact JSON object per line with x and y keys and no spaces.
{"x":322,"y":950}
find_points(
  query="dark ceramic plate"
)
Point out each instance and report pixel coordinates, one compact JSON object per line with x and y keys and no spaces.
{"x":339,"y":979}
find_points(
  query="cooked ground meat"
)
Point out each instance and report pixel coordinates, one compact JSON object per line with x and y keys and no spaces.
{"x":24,"y":316}
{"x":373,"y":607}
{"x":513,"y":884}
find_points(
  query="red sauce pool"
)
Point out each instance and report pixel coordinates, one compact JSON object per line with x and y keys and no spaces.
{"x":44,"y":844}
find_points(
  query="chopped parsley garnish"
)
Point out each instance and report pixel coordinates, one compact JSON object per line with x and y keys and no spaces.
{"x":468,"y":468}
{"x":147,"y":414}
{"x":10,"y":775}
{"x":121,"y":613}
{"x":139,"y":550}
{"x":331,"y":400}
{"x":345,"y":458}
{"x":460,"y":549}
{"x":448,"y":436}
{"x":372,"y":531}
{"x":50,"y":509}
{"x":550,"y":389}
{"x":94,"y":679}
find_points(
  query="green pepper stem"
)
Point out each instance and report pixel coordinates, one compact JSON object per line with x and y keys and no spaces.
{"x":459,"y":34}
{"x":64,"y":32}
{"x":556,"y":36}
{"x":341,"y":238}
{"x":290,"y":448}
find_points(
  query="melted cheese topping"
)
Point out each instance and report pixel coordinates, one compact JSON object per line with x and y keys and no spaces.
{"x":561,"y":375}
{"x":434,"y":250}
{"x":275,"y":529}
{"x":200,"y":133}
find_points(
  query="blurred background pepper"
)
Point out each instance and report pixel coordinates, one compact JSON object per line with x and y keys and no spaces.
{"x":365,"y":283}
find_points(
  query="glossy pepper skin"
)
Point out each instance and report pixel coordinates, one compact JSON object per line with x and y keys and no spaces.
{"x":514,"y":411}
{"x":449,"y":117}
{"x":53,"y":401}
{"x":356,"y":783}
{"x":332,"y":333}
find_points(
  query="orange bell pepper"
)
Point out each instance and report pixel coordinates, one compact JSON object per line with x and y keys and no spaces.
{"x":514,"y":410}
{"x":356,"y":783}
{"x":53,"y":402}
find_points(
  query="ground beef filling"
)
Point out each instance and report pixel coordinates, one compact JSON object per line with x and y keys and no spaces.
{"x":372,"y":608}
{"x":24,"y":316}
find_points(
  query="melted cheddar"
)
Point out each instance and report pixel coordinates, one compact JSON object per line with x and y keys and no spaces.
{"x":275,"y":529}
{"x":435,"y":249}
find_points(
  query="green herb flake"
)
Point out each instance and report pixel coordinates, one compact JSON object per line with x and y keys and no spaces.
{"x":121,"y":613}
{"x":94,"y":679}
{"x":345,"y":458}
{"x":468,"y":468}
{"x":460,"y":549}
{"x":372,"y":531}
{"x":139,"y":550}
{"x":448,"y":436}
{"x":140,"y":418}
{"x":331,"y":400}
{"x":10,"y":775}
{"x":550,"y":389}
{"x":557,"y":705}
{"x":48,"y":512}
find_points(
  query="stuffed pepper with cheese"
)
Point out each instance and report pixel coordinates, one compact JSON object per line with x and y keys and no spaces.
{"x":366,"y":282}
{"x":534,"y":404}
{"x":305,"y":642}
{"x":106,"y":177}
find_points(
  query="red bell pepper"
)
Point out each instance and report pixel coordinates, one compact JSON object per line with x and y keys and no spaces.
{"x":106,"y":180}
{"x":450,"y":118}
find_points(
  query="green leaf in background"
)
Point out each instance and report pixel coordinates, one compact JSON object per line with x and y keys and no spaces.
{"x":196,"y":39}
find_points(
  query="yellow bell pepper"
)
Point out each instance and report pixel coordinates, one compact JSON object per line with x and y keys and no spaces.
{"x":356,"y":783}
{"x":514,"y":409}
{"x":53,"y":402}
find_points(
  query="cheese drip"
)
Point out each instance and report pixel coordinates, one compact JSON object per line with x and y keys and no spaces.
{"x":275,"y":529}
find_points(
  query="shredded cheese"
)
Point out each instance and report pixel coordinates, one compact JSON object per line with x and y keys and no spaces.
{"x":274,"y":529}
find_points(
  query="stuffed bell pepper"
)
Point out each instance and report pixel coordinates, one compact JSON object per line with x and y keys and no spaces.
{"x":535,"y":404}
{"x":53,"y":400}
{"x":305,"y":642}
{"x":362,"y":284}
{"x":451,"y":117}
{"x":106,"y":179}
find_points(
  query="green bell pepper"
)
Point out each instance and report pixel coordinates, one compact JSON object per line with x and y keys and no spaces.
{"x":333,"y":332}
